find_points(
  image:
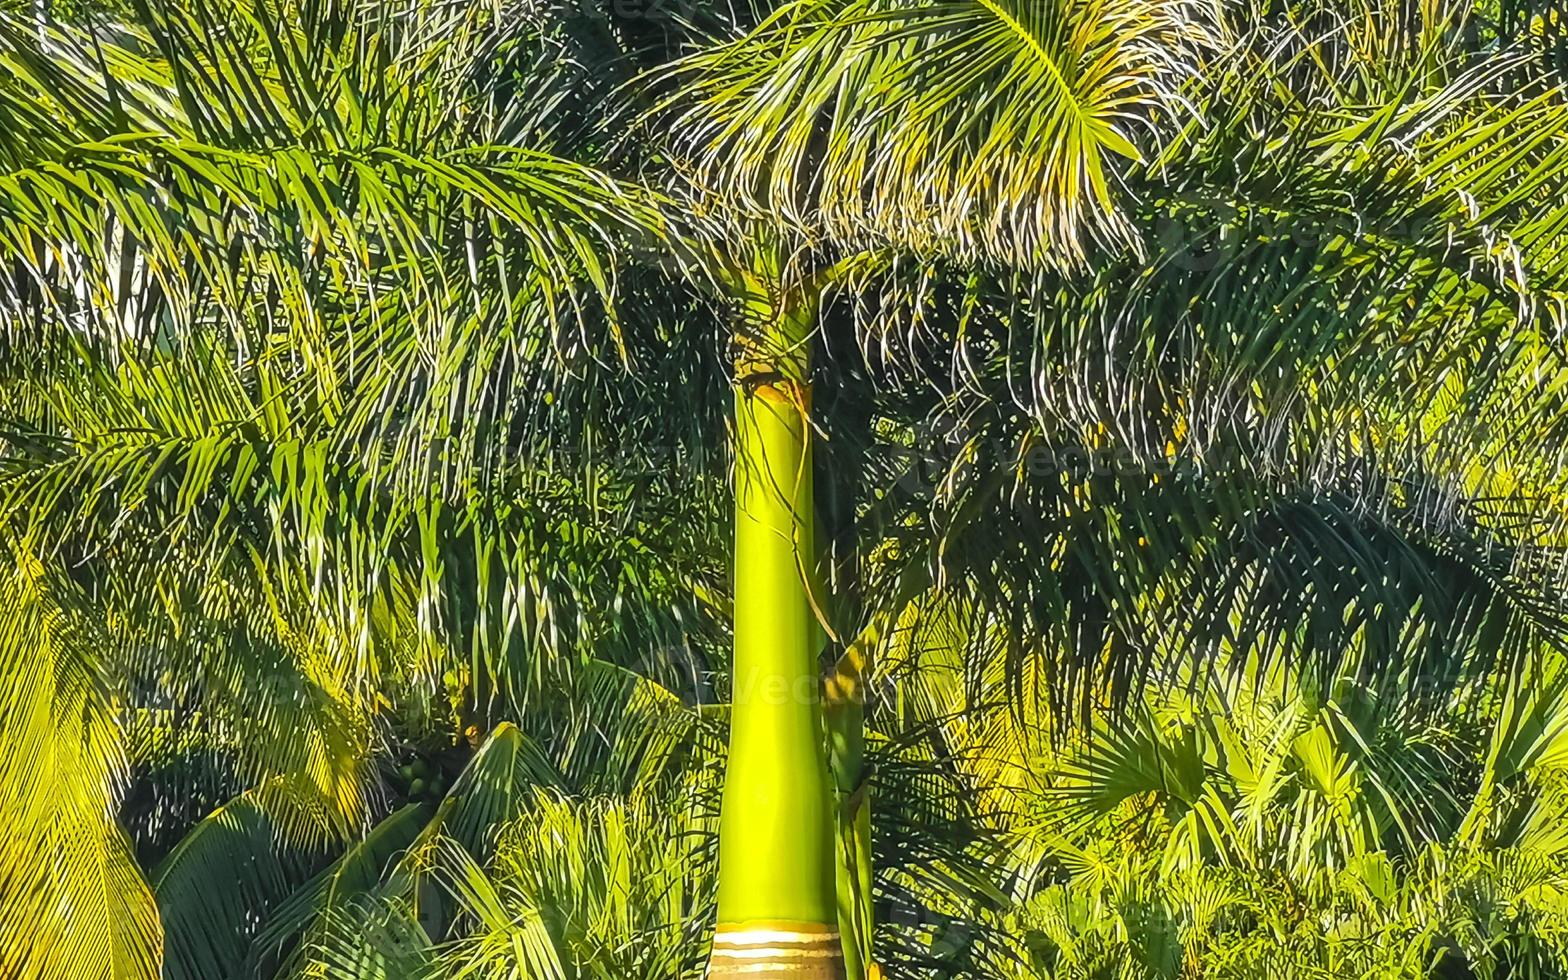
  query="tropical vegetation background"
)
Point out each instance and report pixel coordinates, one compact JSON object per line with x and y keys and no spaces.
{"x":1189,"y":400}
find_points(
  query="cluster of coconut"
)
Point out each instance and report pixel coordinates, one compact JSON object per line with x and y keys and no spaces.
{"x":419,"y":780}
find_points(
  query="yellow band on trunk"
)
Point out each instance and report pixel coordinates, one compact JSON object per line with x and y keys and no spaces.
{"x":769,"y":950}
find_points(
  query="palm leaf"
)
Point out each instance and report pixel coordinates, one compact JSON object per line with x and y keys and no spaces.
{"x":974,"y":127}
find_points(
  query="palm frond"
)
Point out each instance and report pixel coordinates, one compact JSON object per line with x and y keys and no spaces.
{"x":59,"y":787}
{"x":980,"y":128}
{"x":226,"y":876}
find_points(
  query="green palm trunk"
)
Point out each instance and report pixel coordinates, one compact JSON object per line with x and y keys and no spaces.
{"x":777,"y":906}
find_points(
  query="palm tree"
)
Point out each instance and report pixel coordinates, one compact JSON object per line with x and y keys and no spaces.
{"x":1259,"y":358}
{"x":233,"y":305}
{"x":301,"y":323}
{"x":865,"y":130}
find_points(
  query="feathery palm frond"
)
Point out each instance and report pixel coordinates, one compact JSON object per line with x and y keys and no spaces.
{"x":981,"y":128}
{"x":76,"y":902}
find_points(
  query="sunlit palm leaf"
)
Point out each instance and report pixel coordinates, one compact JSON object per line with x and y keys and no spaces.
{"x":76,"y":903}
{"x":986,"y":128}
